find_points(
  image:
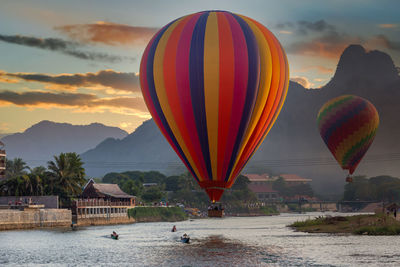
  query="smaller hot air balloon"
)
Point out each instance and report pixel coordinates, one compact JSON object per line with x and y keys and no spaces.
{"x":348,"y":125}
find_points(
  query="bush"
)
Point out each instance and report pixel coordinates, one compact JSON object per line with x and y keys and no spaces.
{"x":154,"y":214}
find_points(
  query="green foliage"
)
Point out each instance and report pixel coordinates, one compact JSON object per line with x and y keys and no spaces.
{"x":380,"y":188}
{"x":169,"y":214}
{"x":378,"y":230}
{"x":64,"y":177}
{"x":15,"y":167}
{"x":153,"y":194}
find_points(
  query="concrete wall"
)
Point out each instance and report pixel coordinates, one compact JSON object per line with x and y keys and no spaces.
{"x":104,"y":221}
{"x":49,"y":202}
{"x":28,"y":219}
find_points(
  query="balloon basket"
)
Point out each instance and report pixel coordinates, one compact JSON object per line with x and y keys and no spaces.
{"x":216,"y":210}
{"x":349,"y":179}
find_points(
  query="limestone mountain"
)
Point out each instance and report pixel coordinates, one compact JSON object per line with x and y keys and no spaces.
{"x":39,"y":143}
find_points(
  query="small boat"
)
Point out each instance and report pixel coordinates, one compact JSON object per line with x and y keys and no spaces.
{"x":114,"y":235}
{"x":185,"y":239}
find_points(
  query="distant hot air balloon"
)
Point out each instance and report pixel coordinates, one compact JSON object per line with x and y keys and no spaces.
{"x":348,"y":125}
{"x":214,"y":83}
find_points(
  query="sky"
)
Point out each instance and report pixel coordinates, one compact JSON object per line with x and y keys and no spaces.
{"x":78,"y":61}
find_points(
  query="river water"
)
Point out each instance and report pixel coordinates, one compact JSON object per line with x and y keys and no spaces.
{"x":234,"y":241}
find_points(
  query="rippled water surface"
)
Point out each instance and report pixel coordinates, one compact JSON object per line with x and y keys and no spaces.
{"x":252,"y":241}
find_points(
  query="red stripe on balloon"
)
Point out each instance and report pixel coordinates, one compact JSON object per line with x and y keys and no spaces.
{"x":240,"y":87}
{"x":226,"y":84}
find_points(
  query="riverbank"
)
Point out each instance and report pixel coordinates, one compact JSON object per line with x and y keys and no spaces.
{"x":157,"y":214}
{"x":375,"y":224}
{"x":34,"y":218}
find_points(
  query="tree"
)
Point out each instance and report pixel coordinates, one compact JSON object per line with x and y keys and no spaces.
{"x":153,"y":194}
{"x":134,"y":188}
{"x":15,"y":167}
{"x":67,"y":175}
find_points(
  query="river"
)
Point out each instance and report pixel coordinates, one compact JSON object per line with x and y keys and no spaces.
{"x":233,"y":241}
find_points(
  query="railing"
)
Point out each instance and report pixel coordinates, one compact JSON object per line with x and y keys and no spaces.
{"x":100,"y":202}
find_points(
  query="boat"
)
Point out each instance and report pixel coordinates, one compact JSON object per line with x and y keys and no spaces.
{"x":114,"y":235}
{"x":185,"y":239}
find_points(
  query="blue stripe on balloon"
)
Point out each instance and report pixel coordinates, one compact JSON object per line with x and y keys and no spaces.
{"x":343,"y":119}
{"x":154,"y":97}
{"x":251,"y":90}
{"x":196,"y":71}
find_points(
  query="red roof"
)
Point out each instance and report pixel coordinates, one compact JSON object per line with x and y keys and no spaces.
{"x":256,"y":188}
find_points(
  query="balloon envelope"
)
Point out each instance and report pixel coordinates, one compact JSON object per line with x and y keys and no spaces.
{"x":348,"y":125}
{"x":214,"y":83}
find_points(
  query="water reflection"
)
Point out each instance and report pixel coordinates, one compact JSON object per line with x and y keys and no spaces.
{"x":257,"y":241}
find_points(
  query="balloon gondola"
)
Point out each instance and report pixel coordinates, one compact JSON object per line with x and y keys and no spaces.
{"x":348,"y":125}
{"x":214,"y":83}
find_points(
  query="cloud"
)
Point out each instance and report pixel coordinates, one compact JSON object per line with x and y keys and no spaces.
{"x":108,"y":33}
{"x":86,"y":102}
{"x":62,"y":46}
{"x":122,"y":81}
{"x":285,"y":32}
{"x":383,"y":41}
{"x":302,"y":80}
{"x":332,"y":44}
{"x":304,"y":27}
{"x":388,"y":26}
{"x":329,"y":45}
{"x":319,"y":69}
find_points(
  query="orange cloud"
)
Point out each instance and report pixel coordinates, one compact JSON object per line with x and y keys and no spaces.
{"x":108,"y":33}
{"x":319,"y":69}
{"x":302,"y":81}
{"x":79,"y":102}
{"x":388,"y":26}
{"x":119,"y":81}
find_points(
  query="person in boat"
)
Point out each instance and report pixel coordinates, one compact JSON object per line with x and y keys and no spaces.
{"x":185,"y":235}
{"x":114,"y":234}
{"x":173,"y":229}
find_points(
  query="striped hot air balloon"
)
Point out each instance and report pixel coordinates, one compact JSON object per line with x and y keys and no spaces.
{"x":214,"y":83}
{"x":348,"y":125}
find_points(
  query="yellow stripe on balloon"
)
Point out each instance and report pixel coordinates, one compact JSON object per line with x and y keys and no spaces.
{"x":158,"y":74}
{"x":264,"y":85}
{"x":211,"y":87}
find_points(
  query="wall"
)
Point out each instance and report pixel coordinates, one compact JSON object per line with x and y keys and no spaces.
{"x":34,"y":218}
{"x":104,"y":221}
{"x":49,"y":202}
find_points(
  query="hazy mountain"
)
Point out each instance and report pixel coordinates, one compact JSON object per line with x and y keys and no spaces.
{"x":39,"y":143}
{"x":293,"y":145}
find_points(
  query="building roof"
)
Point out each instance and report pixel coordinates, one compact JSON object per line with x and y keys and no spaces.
{"x":258,"y":177}
{"x":294,"y":178}
{"x":111,"y":190}
{"x":261,"y":188}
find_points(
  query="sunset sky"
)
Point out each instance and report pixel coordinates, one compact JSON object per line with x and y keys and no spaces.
{"x":78,"y":61}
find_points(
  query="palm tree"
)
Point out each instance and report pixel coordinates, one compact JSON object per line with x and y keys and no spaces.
{"x":67,"y":174}
{"x":15,"y":167}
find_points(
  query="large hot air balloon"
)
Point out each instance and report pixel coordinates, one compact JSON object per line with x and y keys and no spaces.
{"x":214,"y":83}
{"x":348,"y":125}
